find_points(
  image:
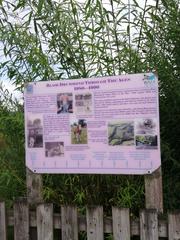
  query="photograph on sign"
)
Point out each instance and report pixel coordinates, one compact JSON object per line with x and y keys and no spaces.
{"x":105,"y":125}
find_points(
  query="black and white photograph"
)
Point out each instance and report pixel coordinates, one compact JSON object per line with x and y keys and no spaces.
{"x":121,"y":133}
{"x":146,"y":142}
{"x":54,"y":149}
{"x":83,"y":103}
{"x":35,"y":132}
{"x":64,"y":103}
{"x":146,"y":126}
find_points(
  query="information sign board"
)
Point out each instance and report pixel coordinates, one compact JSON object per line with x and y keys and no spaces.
{"x":106,"y":125}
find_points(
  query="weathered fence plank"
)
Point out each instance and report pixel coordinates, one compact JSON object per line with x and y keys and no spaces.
{"x":69,"y":221}
{"x":135,"y":228}
{"x":34,"y":194}
{"x":121,"y":224}
{"x":3,"y":234}
{"x":34,"y":187}
{"x":21,"y":220}
{"x":162,"y":228}
{"x":45,"y":221}
{"x":94,"y":216}
{"x":174,"y":226}
{"x":153,"y":191}
{"x":149,"y":225}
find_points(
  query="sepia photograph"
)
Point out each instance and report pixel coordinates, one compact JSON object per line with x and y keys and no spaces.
{"x":83,"y":103}
{"x":146,"y":126}
{"x":35,"y":132}
{"x":79,"y":131}
{"x":64,"y":103}
{"x":146,"y":142}
{"x":54,"y":149}
{"x":121,"y":133}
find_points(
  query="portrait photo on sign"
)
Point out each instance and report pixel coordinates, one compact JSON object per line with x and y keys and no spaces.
{"x":35,"y":131}
{"x":146,"y":126}
{"x":54,"y":149}
{"x":79,"y":131}
{"x":121,"y":133}
{"x":64,"y":103}
{"x":83,"y":103}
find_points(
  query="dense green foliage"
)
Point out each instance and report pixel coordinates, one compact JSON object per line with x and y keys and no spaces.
{"x":12,"y":183}
{"x":65,"y":39}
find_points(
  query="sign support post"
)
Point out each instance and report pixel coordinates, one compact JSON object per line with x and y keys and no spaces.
{"x":154,"y":191}
{"x":34,"y":187}
{"x":34,"y":194}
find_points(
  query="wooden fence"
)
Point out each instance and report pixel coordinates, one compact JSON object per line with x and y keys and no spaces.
{"x":149,"y":226}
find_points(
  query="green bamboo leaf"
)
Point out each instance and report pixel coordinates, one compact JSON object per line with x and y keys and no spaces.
{"x":136,"y":4}
{"x":156,"y":17}
{"x":50,"y":4}
{"x":4,"y":11}
{"x":20,"y":4}
{"x":42,"y":30}
{"x":165,"y":3}
{"x":149,"y":35}
{"x":128,"y":30}
{"x":122,"y":9}
{"x":4,"y":64}
{"x":87,"y":5}
{"x":29,"y":18}
{"x":35,"y":27}
{"x":40,"y":6}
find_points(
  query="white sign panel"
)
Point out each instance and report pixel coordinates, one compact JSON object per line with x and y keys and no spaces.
{"x":107,"y":125}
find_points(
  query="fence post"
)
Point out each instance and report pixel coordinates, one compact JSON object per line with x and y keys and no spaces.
{"x":3,"y":229}
{"x":34,"y":194}
{"x":21,"y":220}
{"x":174,"y":226}
{"x":45,"y":221}
{"x":94,"y":217}
{"x":34,"y":187}
{"x":149,"y":225}
{"x":154,"y":191}
{"x":69,"y":223}
{"x":121,"y":223}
